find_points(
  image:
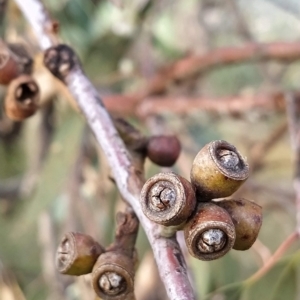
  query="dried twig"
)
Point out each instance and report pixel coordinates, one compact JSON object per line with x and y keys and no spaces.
{"x":167,"y":253}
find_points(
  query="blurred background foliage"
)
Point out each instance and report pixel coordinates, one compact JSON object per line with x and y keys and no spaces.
{"x":55,"y":179}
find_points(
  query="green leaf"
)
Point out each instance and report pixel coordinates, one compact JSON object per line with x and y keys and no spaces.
{"x":280,"y":283}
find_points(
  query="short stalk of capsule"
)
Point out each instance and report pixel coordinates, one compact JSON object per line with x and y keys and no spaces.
{"x":22,"y":98}
{"x":169,"y":231}
{"x":113,"y":276}
{"x":218,"y":171}
{"x":247,"y":219}
{"x":168,"y":199}
{"x":77,"y":254}
{"x":209,"y":234}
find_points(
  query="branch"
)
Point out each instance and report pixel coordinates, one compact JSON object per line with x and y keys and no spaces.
{"x":229,"y":105}
{"x":167,"y":253}
{"x":195,"y":64}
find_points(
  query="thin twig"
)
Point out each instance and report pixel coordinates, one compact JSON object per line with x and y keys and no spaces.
{"x":167,"y":253}
{"x":275,"y":257}
{"x":262,"y":250}
{"x":259,"y":150}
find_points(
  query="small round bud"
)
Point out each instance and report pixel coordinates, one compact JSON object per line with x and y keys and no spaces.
{"x":163,"y":150}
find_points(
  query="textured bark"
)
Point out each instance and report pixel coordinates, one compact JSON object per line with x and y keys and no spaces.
{"x":167,"y":253}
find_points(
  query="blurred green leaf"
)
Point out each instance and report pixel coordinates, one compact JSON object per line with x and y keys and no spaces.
{"x":281,"y":282}
{"x":18,"y":234}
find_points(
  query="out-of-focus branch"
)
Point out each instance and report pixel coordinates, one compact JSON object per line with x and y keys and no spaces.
{"x":167,"y":253}
{"x":196,"y":64}
{"x":293,"y":115}
{"x":286,"y":244}
{"x":229,"y":105}
{"x":259,"y":150}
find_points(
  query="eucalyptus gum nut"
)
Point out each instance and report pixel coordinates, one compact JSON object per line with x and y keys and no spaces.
{"x":218,"y":171}
{"x":210,"y":232}
{"x":168,"y":199}
{"x":77,"y":254}
{"x":113,"y":276}
{"x":22,"y":98}
{"x":247,"y":219}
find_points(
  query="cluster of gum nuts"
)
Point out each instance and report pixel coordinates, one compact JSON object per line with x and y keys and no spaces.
{"x":112,"y":270}
{"x":212,"y":225}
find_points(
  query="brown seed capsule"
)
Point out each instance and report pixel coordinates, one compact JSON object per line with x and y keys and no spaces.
{"x":218,"y":171}
{"x":22,"y":98}
{"x":113,"y":276}
{"x":168,"y":199}
{"x":210,"y":233}
{"x":247,"y":219}
{"x":163,"y":150}
{"x":77,"y":254}
{"x":9,"y":68}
